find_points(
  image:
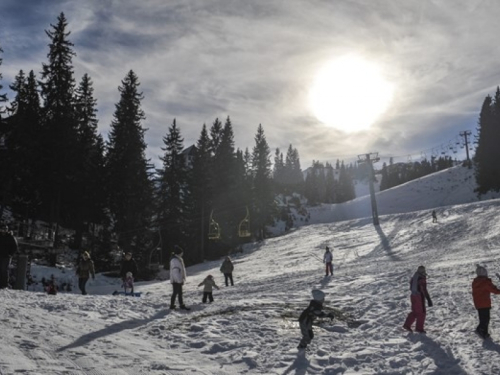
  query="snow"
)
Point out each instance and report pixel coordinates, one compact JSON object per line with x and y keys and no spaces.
{"x":251,"y":327}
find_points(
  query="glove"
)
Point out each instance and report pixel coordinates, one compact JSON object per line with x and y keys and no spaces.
{"x":429,"y":303}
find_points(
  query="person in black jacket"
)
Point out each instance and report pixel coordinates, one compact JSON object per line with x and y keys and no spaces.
{"x":307,"y":317}
{"x":128,"y":265}
{"x":8,"y":247}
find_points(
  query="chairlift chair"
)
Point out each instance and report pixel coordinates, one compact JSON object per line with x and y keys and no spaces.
{"x":213,"y":228}
{"x":244,"y":227}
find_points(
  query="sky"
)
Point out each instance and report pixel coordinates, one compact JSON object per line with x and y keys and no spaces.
{"x":251,"y":327}
{"x":257,"y":62}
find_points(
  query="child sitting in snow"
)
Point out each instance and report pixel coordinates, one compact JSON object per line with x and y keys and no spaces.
{"x":482,"y":287}
{"x":128,"y":283}
{"x":306,"y":319}
{"x":209,"y":284}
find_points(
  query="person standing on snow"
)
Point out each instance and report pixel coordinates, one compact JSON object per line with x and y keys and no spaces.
{"x":84,"y":270}
{"x":418,"y":287}
{"x":307,"y":317}
{"x":8,"y":247}
{"x":208,"y":285}
{"x":482,"y":287}
{"x":227,"y":268}
{"x":128,"y":266}
{"x":177,"y":277}
{"x":434,"y":217}
{"x":327,"y":259}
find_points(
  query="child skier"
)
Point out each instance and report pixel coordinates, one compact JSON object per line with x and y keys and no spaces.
{"x":128,"y":283}
{"x":418,"y":287}
{"x":307,"y":317}
{"x":482,"y":287}
{"x":209,"y":284}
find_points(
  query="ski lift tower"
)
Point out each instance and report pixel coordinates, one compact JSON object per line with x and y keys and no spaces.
{"x":369,"y":159}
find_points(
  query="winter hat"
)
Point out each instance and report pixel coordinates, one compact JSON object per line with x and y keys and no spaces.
{"x":421,"y":270}
{"x":481,"y":271}
{"x":318,"y":295}
{"x":178,"y":250}
{"x":327,"y":248}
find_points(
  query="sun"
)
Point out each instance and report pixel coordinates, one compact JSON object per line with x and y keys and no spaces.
{"x":350,"y":94}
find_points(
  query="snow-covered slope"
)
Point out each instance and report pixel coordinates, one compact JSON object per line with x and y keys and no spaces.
{"x":251,"y":327}
{"x":444,"y":188}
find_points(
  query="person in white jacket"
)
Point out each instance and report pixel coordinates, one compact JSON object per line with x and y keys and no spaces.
{"x":327,"y":259}
{"x":177,"y":277}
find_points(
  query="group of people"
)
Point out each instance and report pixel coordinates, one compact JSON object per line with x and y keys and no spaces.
{"x":482,"y":288}
{"x":178,"y":278}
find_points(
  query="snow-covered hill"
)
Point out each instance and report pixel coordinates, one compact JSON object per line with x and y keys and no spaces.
{"x":251,"y":327}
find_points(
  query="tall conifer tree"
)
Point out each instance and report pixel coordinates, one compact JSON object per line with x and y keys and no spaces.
{"x":262,"y":193}
{"x":60,"y":135}
{"x":128,"y":172}
{"x":172,"y":190}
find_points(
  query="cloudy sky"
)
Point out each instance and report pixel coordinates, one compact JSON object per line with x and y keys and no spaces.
{"x":257,"y":62}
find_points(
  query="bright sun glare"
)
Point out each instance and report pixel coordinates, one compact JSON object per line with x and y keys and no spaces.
{"x":350,"y":94}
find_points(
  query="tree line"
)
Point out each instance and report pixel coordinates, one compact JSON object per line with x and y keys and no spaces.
{"x":57,"y":169}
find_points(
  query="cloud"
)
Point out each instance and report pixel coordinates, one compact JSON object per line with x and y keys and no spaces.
{"x":255,"y":61}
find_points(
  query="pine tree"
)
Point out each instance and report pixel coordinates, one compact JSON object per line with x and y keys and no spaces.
{"x":200,"y":181}
{"x":90,"y":199}
{"x":23,"y":149}
{"x":225,"y":202}
{"x":484,"y":161}
{"x":172,"y":190}
{"x":128,"y":172}
{"x":60,"y":134}
{"x":4,"y":185}
{"x":262,"y":194}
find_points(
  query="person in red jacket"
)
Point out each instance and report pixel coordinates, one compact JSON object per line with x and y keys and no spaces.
{"x":418,"y":287}
{"x":482,"y":287}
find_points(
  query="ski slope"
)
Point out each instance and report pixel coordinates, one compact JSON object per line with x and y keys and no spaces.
{"x":251,"y":327}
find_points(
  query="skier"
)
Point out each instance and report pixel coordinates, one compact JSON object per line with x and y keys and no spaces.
{"x":209,"y":284}
{"x":418,"y":287}
{"x":327,"y":259}
{"x":84,"y":270}
{"x":227,"y":268}
{"x":307,"y":317}
{"x":177,"y":277}
{"x":128,"y":266}
{"x":434,"y":217}
{"x":8,"y":247}
{"x":482,"y":287}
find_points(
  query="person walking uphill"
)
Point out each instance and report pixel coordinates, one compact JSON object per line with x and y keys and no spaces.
{"x":327,"y":259}
{"x":227,"y":268}
{"x":84,"y":270}
{"x":8,"y":247}
{"x":208,"y":285}
{"x":482,"y":287}
{"x":177,"y":277}
{"x":418,"y":287}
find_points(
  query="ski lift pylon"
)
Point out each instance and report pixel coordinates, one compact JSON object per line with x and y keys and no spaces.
{"x":213,"y":228}
{"x":244,"y":227}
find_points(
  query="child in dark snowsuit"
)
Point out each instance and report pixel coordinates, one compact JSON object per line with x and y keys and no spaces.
{"x":482,"y":287}
{"x":208,"y":285}
{"x":418,"y":287}
{"x":306,"y":319}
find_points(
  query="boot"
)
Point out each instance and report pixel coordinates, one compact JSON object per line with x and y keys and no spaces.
{"x":172,"y":307}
